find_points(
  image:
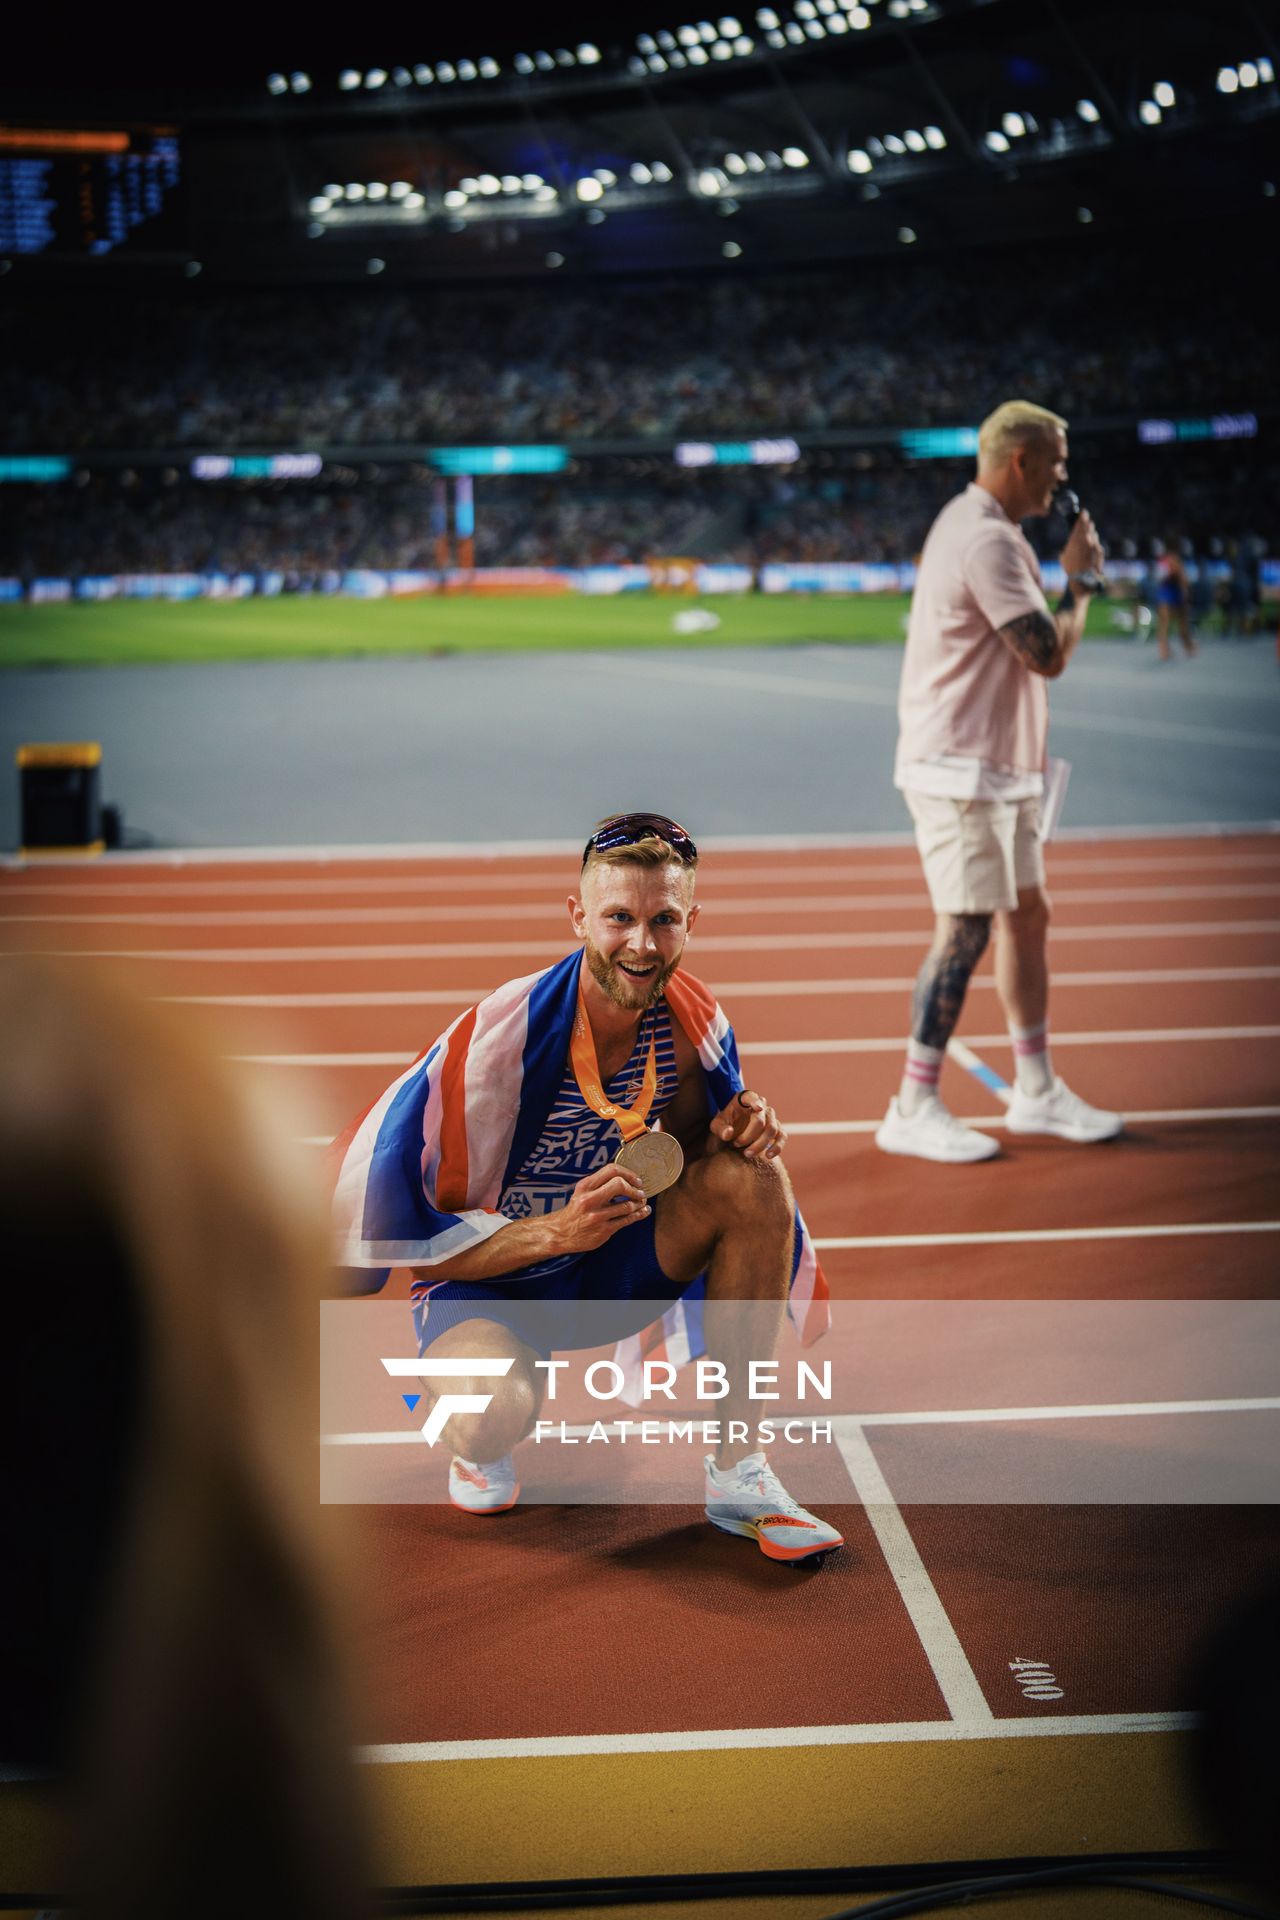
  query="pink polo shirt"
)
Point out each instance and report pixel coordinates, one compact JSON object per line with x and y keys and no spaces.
{"x":973,"y":719}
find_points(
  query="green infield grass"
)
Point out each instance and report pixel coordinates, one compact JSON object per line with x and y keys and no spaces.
{"x":106,"y":633}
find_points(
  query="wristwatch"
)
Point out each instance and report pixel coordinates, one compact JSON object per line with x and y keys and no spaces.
{"x":1088,"y":582}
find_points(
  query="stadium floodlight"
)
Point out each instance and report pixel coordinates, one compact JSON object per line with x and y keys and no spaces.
{"x":795,"y":156}
{"x":318,"y":204}
{"x":730,"y":27}
{"x":662,"y":172}
{"x":1014,"y":125}
{"x":859,"y":160}
{"x":731,"y":250}
{"x":523,"y":64}
{"x":355,"y":190}
{"x":775,"y":39}
{"x":400,"y":189}
{"x":688,"y":36}
{"x":697,"y":56}
{"x":555,"y":259}
{"x":374,"y":266}
{"x":706,"y":32}
{"x":315,"y":229}
{"x":402,"y":76}
{"x":754,"y":163}
{"x":646,"y":43}
{"x":656,"y":63}
{"x":899,"y":9}
{"x":640,"y":174}
{"x":445,"y":71}
{"x":469,"y":185}
{"x":375,"y":78}
{"x":1248,"y":74}
{"x":773,"y":161}
{"x":300,"y":82}
{"x":666,"y":41}
{"x":709,"y":181}
{"x":837,"y":24}
{"x":489,"y":68}
{"x":414,"y":202}
{"x":734,"y":163}
{"x":589,"y":188}
{"x":594,"y":216}
{"x":934,"y":137}
{"x":1085,"y":216}
{"x":827,"y":6}
{"x":424,"y":76}
{"x":606,"y":176}
{"x":512,"y":183}
{"x":744,"y":45}
{"x":1228,"y":80}
{"x":348,"y":79}
{"x":815,"y":30}
{"x":1149,"y":113}
{"x":876,"y":147}
{"x":794,"y":33}
{"x":907,"y":235}
{"x":545,"y":193}
{"x":676,"y":59}
{"x":722,"y":50}
{"x":637,"y":64}
{"x":588,"y":54}
{"x":276,"y":83}
{"x":1266,"y":72}
{"x":1163,"y":94}
{"x":466,"y":69}
{"x":767,"y":18}
{"x":333,"y":192}
{"x":543,"y":62}
{"x":564,"y":58}
{"x":455,"y":198}
{"x":489,"y":183}
{"x":859,"y":18}
{"x":1088,"y":112}
{"x":893,"y":144}
{"x":914,"y":140}
{"x":376,"y":190}
{"x":997,"y":142}
{"x":531,"y":182}
{"x":805,"y":10}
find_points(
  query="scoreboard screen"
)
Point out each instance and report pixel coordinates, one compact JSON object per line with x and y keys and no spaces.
{"x":73,"y":192}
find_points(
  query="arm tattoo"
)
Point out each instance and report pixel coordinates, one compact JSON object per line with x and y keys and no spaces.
{"x":1034,"y":638}
{"x":944,"y":978}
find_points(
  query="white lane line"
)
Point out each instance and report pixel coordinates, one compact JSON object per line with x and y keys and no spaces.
{"x":549,"y":950}
{"x":1041,"y":1236}
{"x":799,"y":687}
{"x":956,"y":1679}
{"x":728,"y":989}
{"x":473,"y":913}
{"x":1146,"y":1036}
{"x":993,"y":1122}
{"x":557,"y":1746}
{"x":535,"y":884}
{"x":852,"y":1423}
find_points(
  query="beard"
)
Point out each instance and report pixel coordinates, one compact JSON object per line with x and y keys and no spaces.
{"x":634,"y":996}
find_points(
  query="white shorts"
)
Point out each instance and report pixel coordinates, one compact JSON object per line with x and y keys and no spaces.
{"x":977,"y":854}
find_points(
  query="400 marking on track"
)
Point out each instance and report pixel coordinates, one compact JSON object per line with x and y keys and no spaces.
{"x":1036,"y":1679}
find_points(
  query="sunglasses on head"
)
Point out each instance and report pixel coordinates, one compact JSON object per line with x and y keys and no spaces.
{"x":624,"y":829}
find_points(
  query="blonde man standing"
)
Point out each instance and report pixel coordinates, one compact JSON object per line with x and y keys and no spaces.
{"x":973,"y":711}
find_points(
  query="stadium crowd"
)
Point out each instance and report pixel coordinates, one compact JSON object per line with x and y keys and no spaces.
{"x":555,"y":362}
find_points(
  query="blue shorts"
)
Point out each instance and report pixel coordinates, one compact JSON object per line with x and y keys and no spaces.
{"x":613,"y":1291}
{"x":1169,"y":594}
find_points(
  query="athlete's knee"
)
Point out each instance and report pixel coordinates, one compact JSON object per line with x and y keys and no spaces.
{"x":1029,"y":920}
{"x":513,"y":1407}
{"x":741,"y":1189}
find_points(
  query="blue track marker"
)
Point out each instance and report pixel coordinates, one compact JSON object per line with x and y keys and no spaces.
{"x":411,"y":1400}
{"x":967,"y":1058}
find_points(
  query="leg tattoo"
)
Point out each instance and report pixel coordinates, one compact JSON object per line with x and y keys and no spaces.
{"x":944,"y":978}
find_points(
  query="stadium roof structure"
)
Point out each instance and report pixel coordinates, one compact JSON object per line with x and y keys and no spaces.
{"x":641,"y":137}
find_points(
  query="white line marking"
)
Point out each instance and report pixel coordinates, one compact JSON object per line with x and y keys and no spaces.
{"x":729,"y":989}
{"x":534,"y":884}
{"x":956,"y":1679}
{"x":789,"y":1049}
{"x":549,"y":950}
{"x":1046,"y":1235}
{"x":554,"y":1746}
{"x":993,"y":1122}
{"x":473,"y":913}
{"x":176,"y":857}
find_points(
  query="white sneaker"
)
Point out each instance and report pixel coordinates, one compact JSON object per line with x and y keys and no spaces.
{"x":1062,"y":1112}
{"x":491,"y":1488}
{"x":749,"y":1499}
{"x":932,"y":1132}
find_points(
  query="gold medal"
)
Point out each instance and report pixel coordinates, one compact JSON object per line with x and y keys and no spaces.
{"x":658,"y":1158}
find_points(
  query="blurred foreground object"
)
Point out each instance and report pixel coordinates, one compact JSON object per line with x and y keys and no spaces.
{"x":167,"y":1634}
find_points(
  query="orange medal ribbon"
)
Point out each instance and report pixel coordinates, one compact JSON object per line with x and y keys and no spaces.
{"x":631,"y":1121}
